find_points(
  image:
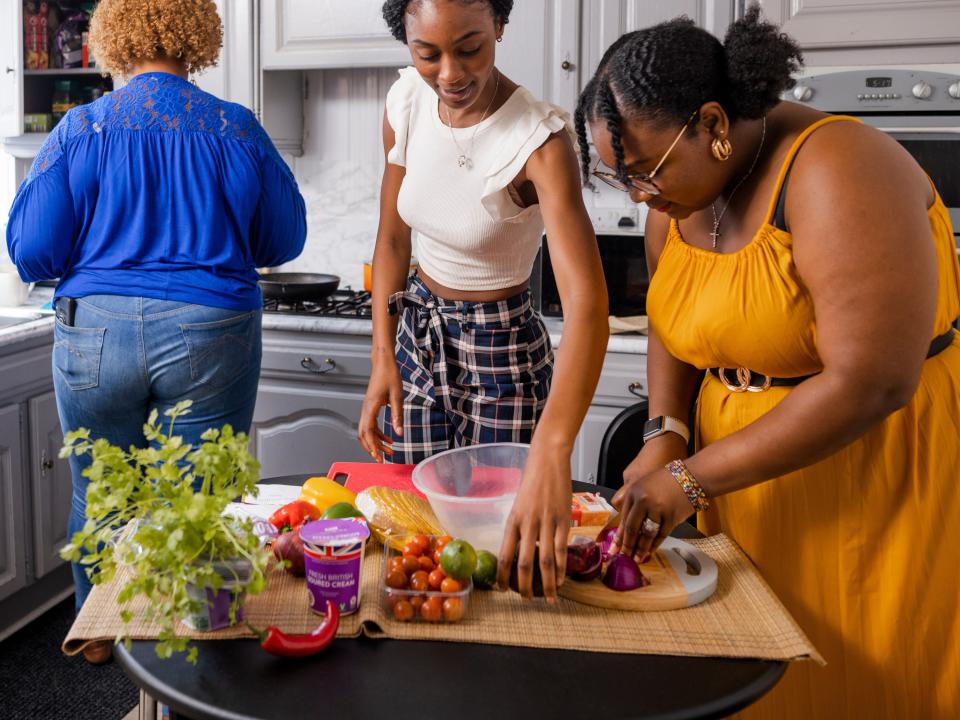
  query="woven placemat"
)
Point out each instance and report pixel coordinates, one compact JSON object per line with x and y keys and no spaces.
{"x":742,"y":619}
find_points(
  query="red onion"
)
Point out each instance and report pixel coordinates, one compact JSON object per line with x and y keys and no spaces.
{"x":289,"y":546}
{"x":583,"y":559}
{"x":623,"y":574}
{"x":605,"y":539}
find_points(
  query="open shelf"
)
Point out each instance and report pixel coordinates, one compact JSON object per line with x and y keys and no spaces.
{"x":65,"y":71}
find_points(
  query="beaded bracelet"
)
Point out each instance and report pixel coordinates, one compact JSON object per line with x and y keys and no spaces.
{"x":689,"y":485}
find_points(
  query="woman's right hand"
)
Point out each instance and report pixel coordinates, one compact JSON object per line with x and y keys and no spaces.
{"x":385,"y":386}
{"x":655,"y":453}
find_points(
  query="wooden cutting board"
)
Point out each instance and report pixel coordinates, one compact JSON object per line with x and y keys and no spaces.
{"x":672,"y":584}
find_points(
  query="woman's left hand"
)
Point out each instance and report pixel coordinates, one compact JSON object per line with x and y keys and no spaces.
{"x":539,"y":520}
{"x":650,"y":506}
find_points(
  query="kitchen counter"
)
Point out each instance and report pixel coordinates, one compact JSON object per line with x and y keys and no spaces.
{"x":32,"y":329}
{"x":628,"y":343}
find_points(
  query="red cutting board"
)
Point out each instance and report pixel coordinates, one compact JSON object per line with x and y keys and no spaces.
{"x":360,"y":476}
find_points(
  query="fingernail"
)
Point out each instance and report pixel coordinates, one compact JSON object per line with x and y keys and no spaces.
{"x":551,"y":601}
{"x":645,"y":559}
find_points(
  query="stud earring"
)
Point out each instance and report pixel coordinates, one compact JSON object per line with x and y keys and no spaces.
{"x":721,"y":149}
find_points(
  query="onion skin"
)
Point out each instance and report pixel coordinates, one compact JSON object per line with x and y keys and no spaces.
{"x":605,"y":539}
{"x":583,"y":558}
{"x":623,"y":574}
{"x":289,"y":546}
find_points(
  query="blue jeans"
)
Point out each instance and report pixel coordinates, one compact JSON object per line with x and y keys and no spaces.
{"x":125,"y":356}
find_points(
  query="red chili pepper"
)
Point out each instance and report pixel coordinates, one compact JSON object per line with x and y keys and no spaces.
{"x":277,"y":642}
{"x":292,"y":515}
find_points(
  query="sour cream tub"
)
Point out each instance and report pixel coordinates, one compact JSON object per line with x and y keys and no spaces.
{"x":332,"y":558}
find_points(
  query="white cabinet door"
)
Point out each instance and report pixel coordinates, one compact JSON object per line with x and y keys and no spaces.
{"x":606,"y":20}
{"x":13,"y":550}
{"x":233,"y":77}
{"x":879,"y":24}
{"x":540,"y":49}
{"x":51,"y":484}
{"x":11,"y":69}
{"x":301,"y":34}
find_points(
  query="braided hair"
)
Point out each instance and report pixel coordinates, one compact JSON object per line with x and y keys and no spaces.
{"x":665,"y":72}
{"x":394,"y":12}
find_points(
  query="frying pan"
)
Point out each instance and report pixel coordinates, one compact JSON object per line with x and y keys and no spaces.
{"x":298,"y":286}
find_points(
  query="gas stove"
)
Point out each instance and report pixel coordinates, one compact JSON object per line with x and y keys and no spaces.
{"x":343,"y":302}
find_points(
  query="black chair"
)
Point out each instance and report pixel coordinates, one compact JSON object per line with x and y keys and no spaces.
{"x":621,"y":443}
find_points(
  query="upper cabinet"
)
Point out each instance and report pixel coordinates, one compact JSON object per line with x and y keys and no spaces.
{"x":603,"y":21}
{"x":865,"y":32}
{"x":304,"y":34}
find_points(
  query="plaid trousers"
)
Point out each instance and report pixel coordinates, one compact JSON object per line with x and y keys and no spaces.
{"x":473,"y":372}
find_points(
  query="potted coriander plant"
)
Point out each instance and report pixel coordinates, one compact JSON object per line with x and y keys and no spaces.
{"x":157,"y":514}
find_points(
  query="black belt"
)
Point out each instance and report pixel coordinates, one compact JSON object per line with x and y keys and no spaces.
{"x":743,"y":380}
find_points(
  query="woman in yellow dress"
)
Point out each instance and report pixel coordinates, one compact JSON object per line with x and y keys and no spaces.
{"x":806,"y":263}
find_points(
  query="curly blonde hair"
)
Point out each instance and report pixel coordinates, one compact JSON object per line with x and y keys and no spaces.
{"x":126,"y":32}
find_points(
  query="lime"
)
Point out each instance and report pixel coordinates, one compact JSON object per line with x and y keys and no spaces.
{"x":341,"y":510}
{"x":458,"y":559}
{"x":485,"y":574}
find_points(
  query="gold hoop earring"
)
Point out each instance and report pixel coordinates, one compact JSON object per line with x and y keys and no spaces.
{"x":500,"y":39}
{"x":721,"y":149}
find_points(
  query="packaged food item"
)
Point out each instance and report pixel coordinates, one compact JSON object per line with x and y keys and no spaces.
{"x":63,"y":99}
{"x":333,"y":557}
{"x":417,"y":589}
{"x":396,"y":515}
{"x":590,"y":509}
{"x":35,"y":42}
{"x":322,"y":492}
{"x":37,"y":122}
{"x":69,"y":37}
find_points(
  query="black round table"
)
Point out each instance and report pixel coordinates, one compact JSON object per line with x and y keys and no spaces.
{"x":393,"y":679}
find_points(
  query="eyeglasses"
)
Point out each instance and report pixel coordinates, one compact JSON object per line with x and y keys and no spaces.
{"x":641,"y":181}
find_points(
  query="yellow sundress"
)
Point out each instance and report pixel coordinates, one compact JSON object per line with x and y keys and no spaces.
{"x":862,"y":547}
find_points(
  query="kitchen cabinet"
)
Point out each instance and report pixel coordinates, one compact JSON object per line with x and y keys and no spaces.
{"x":13,"y":575}
{"x":870,"y":32}
{"x":35,"y":485}
{"x":235,"y":77}
{"x":603,"y":21}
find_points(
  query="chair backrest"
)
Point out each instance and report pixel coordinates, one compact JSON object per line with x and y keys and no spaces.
{"x":621,"y":443}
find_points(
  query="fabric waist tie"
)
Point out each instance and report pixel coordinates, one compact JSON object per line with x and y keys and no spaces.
{"x":743,"y":380}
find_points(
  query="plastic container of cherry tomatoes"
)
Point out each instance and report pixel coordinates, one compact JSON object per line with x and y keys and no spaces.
{"x":436,"y":601}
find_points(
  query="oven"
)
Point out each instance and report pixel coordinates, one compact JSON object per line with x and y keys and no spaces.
{"x":919,"y":107}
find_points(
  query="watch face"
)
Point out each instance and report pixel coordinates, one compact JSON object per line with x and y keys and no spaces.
{"x":653,"y":427}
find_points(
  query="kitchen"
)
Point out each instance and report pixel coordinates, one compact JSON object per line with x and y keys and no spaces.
{"x":317,"y":77}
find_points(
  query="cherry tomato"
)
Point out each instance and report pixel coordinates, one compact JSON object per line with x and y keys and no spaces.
{"x":411,"y":563}
{"x":403,"y":610}
{"x":422,"y":541}
{"x":432,"y":609}
{"x":426,"y":563}
{"x":395,"y":563}
{"x":441,"y":542}
{"x":397,"y":579}
{"x":452,"y":609}
{"x":436,"y":579}
{"x":449,"y":585}
{"x":416,"y":602}
{"x":436,"y":558}
{"x":393,"y":599}
{"x":412,"y":548}
{"x":419,"y":581}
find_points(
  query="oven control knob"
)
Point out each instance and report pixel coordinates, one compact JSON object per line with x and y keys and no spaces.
{"x":922,"y":90}
{"x":803,"y":92}
{"x":954,"y":90}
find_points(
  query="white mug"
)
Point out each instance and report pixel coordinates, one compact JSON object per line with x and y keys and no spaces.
{"x":13,"y":291}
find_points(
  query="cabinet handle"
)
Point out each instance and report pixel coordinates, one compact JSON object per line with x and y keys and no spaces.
{"x":566,"y":65}
{"x":45,"y":462}
{"x":308,"y":364}
{"x":635,"y":389}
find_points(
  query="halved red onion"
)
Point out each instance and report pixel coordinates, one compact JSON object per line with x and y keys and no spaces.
{"x":605,"y":539}
{"x":623,"y":574}
{"x":583,"y":558}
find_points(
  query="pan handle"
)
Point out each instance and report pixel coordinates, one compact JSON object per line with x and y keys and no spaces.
{"x":308,"y":363}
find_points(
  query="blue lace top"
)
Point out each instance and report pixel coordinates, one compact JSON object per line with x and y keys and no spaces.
{"x":157,"y":190}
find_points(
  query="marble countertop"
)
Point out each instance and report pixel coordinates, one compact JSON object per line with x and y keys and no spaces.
{"x":31,"y":329}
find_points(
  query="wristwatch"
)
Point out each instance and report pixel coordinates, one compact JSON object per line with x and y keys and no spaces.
{"x":654,"y":427}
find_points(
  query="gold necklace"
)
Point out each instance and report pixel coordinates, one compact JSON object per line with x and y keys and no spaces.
{"x":465,"y":159}
{"x":715,"y":235}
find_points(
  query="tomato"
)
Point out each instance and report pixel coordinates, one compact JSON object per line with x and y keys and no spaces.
{"x":426,"y":563}
{"x":397,"y":579}
{"x":393,"y":599}
{"x":412,"y":548}
{"x":436,"y":558}
{"x":449,"y":585}
{"x":403,"y":610}
{"x":419,"y":581}
{"x":395,"y":563}
{"x":416,"y":602}
{"x":432,"y":609}
{"x":436,"y":579}
{"x":452,"y":609}
{"x":411,"y":563}
{"x":441,"y":542}
{"x":421,"y":541}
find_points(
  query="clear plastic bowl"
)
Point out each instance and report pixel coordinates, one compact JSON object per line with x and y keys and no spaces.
{"x":472,"y":489}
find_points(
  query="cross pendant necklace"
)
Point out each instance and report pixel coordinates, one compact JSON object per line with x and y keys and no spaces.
{"x":715,"y":235}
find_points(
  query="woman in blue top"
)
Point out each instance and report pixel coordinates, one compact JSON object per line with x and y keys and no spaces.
{"x":154,"y":205}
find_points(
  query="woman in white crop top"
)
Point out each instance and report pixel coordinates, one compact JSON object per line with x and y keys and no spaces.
{"x":478,"y":167}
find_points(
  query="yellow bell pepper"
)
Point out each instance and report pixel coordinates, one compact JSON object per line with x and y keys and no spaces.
{"x":322,"y":492}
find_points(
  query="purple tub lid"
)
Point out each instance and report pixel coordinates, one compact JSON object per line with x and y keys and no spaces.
{"x":335,"y":532}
